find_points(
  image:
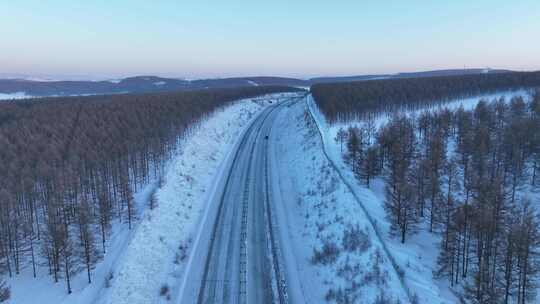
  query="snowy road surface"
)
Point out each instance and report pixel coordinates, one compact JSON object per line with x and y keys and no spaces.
{"x":238,"y":258}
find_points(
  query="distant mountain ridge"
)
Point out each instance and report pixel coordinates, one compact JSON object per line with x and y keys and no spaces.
{"x":154,"y":84}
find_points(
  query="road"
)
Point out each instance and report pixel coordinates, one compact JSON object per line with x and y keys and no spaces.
{"x":238,"y":256}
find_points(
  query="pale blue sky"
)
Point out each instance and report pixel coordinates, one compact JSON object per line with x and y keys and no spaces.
{"x":200,"y":38}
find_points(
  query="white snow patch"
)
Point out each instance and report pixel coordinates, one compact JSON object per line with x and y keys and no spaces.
{"x":40,"y":79}
{"x":16,"y":95}
{"x":160,"y":83}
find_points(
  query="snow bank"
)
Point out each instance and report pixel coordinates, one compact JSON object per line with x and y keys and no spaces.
{"x":154,"y":262}
{"x":318,"y":209}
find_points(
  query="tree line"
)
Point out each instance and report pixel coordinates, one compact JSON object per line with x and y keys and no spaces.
{"x":347,"y":101}
{"x":69,"y":167}
{"x":469,"y":177}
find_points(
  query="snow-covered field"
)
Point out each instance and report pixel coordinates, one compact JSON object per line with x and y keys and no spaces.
{"x":418,"y":257}
{"x":140,"y":262}
{"x":320,"y":212}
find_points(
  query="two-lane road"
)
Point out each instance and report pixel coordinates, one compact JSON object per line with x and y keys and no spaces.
{"x":237,"y":258}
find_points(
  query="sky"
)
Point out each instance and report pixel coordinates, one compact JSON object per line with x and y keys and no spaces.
{"x":297,"y":38}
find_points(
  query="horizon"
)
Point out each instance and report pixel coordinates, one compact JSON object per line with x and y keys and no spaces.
{"x":94,"y":78}
{"x":300,"y":40}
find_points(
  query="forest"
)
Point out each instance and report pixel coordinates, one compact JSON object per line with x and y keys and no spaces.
{"x":468,"y":176}
{"x":71,"y":165}
{"x":347,"y":101}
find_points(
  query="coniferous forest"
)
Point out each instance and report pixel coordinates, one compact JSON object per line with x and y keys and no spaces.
{"x":469,"y":176}
{"x":345,"y":101}
{"x":71,"y":165}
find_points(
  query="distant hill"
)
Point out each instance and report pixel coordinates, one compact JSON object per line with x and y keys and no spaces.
{"x":454,"y":72}
{"x":434,"y":73}
{"x":138,"y":84}
{"x":18,"y":88}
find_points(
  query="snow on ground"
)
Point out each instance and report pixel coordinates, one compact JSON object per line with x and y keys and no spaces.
{"x":319,"y":210}
{"x":153,"y":264}
{"x":43,"y":286}
{"x":16,"y":95}
{"x":467,"y":103}
{"x":418,"y":257}
{"x":253,"y":83}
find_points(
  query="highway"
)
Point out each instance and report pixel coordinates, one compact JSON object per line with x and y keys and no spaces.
{"x":238,"y":257}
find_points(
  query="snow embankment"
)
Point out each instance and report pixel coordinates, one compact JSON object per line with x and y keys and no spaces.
{"x":337,"y":255}
{"x":153,"y":264}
